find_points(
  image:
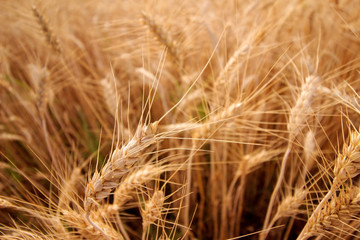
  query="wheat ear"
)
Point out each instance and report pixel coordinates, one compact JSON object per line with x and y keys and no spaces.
{"x":289,"y":206}
{"x":133,"y":181}
{"x":101,"y":184}
{"x":163,"y":37}
{"x":241,"y":51}
{"x":50,"y":36}
{"x":347,"y":166}
{"x":152,"y":210}
{"x":97,"y":229}
{"x":298,"y":117}
{"x":310,"y":152}
{"x":40,"y":79}
{"x":109,"y":94}
{"x":335,"y":216}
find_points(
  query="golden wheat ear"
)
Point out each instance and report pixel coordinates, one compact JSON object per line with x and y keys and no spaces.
{"x":153,"y":209}
{"x":162,"y":36}
{"x":299,"y":114}
{"x":122,"y":159}
{"x":347,"y":167}
{"x":337,"y":218}
{"x":50,"y":37}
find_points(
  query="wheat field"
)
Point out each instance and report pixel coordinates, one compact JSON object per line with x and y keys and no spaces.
{"x":179,"y":119}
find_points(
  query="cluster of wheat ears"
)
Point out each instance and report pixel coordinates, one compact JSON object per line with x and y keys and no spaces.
{"x":179,"y":119}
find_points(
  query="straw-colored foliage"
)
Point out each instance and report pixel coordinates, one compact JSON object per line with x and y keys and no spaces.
{"x":179,"y":119}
